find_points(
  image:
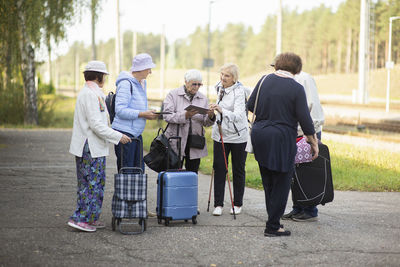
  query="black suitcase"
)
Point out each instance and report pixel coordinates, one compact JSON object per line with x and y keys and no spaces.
{"x":312,"y":182}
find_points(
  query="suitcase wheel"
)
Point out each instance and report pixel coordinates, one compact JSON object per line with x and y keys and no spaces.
{"x":194,"y":220}
{"x":166,"y":221}
{"x":143,"y":222}
{"x":159,"y":221}
{"x":186,"y":220}
{"x":113,"y":223}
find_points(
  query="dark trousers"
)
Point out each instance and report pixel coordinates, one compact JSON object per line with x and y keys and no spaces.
{"x":239,"y":156}
{"x":310,"y":210}
{"x":276,"y":189}
{"x":190,"y":164}
{"x":132,"y":153}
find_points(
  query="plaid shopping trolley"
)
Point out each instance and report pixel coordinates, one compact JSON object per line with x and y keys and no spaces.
{"x":130,"y":198}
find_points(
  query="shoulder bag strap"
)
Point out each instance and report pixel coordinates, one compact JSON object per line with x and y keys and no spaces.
{"x":255,"y":105}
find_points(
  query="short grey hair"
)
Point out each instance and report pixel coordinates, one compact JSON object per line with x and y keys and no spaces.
{"x":232,"y":69}
{"x":193,"y":75}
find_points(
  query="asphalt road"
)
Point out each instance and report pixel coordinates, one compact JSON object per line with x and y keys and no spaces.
{"x":38,"y":194}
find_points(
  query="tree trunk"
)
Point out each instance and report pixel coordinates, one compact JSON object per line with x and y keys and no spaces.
{"x":27,"y":69}
{"x":325,"y":58}
{"x":354,"y":55}
{"x":50,"y":68}
{"x":348,"y":51}
{"x":339,"y":57}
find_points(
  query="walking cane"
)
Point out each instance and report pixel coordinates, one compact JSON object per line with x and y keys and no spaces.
{"x":227,"y":170}
{"x":209,"y":195}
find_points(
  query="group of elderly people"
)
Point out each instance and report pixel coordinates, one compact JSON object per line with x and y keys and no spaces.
{"x":279,"y":106}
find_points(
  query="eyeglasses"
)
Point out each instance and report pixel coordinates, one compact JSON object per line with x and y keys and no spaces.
{"x":197,"y":84}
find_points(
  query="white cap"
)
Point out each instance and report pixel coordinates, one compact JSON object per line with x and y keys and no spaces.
{"x":142,"y":62}
{"x":98,"y":66}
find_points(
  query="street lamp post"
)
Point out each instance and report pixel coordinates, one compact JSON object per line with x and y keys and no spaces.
{"x":208,"y":48}
{"x":389,"y":63}
{"x":279,"y":29}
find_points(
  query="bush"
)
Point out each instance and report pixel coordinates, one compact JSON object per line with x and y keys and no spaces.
{"x":46,"y":109}
{"x":12,"y":107}
{"x":45,"y":89}
{"x":12,"y":104}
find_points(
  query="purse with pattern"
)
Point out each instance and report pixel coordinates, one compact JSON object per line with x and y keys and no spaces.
{"x":303,"y":153}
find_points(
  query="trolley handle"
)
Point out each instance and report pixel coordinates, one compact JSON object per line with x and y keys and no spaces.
{"x":139,"y":142}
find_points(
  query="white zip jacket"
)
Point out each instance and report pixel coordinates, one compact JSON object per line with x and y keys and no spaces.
{"x":234,"y":118}
{"x":314,"y":105}
{"x":91,"y":123}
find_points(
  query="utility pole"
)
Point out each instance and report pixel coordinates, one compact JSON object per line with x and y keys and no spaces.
{"x":362,"y":53}
{"x":279,"y":29}
{"x":134,"y":45}
{"x":162,"y":62}
{"x":389,"y":63}
{"x":93,"y":11}
{"x":208,"y":61}
{"x":77,"y":74}
{"x":118,"y":44}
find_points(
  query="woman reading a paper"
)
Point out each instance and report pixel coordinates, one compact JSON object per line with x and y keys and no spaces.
{"x":188,"y":123}
{"x":231,"y":107}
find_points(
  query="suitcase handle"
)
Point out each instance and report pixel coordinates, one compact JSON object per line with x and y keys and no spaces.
{"x":179,"y":149}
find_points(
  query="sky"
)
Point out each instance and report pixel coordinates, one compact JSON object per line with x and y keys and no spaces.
{"x":179,"y":17}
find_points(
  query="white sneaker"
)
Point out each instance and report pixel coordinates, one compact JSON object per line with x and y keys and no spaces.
{"x":238,"y":210}
{"x":217,"y":211}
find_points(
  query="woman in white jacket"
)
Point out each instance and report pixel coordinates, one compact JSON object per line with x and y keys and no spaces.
{"x":89,"y":144}
{"x":231,"y":107}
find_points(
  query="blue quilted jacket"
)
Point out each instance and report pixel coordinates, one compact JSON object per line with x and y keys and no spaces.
{"x":128,"y":106}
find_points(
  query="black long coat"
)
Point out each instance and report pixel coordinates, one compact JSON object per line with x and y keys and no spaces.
{"x":282,"y":104}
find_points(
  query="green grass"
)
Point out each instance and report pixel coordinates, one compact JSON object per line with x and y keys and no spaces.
{"x":64,"y":112}
{"x":353,"y":167}
{"x":364,"y":169}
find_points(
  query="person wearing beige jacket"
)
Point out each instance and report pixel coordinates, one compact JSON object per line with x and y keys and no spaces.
{"x":183,"y":122}
{"x":89,"y":143}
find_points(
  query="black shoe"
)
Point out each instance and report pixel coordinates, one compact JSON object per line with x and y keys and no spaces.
{"x":273,"y":233}
{"x":289,"y":216}
{"x":304,"y":217}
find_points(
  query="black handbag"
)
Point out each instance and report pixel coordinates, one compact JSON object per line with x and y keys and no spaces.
{"x":195,"y":140}
{"x":160,"y":154}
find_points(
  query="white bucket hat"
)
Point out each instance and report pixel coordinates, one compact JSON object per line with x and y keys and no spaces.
{"x":98,"y":66}
{"x":142,"y":62}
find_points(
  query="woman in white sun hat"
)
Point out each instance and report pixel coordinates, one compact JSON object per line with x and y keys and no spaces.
{"x":89,"y":143}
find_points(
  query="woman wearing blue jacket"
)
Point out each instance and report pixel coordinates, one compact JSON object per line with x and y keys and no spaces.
{"x":131,"y":109}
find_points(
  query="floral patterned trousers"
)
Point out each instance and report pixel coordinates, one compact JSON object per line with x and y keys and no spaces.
{"x":91,"y":180}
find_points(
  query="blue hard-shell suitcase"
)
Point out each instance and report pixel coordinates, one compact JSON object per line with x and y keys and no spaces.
{"x":177,"y":196}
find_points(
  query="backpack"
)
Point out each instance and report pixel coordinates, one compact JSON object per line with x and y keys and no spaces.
{"x":110,"y":102}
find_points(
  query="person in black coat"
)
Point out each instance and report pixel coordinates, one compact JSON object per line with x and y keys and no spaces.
{"x":281,"y":106}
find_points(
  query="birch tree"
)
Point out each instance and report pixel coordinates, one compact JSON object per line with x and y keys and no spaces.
{"x":29,"y":24}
